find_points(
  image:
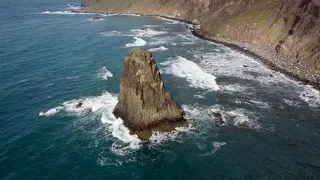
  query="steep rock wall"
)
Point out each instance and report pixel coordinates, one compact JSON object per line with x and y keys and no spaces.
{"x":289,"y":28}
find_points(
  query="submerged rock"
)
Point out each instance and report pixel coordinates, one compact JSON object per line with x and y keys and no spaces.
{"x":79,"y":105}
{"x":219,"y":119}
{"x":144,"y":105}
{"x":96,"y":18}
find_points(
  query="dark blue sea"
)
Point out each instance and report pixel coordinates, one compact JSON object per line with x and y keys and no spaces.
{"x":51,"y":59}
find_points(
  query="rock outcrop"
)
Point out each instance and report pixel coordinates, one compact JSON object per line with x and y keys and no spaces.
{"x":219,"y":119}
{"x":144,"y":105}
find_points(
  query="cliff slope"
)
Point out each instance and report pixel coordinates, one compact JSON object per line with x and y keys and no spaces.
{"x":288,"y":28}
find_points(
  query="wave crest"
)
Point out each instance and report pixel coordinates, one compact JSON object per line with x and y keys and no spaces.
{"x":189,"y":70}
{"x":137,"y":43}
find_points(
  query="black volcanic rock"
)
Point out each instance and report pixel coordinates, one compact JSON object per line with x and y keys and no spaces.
{"x":219,"y":119}
{"x":144,"y":105}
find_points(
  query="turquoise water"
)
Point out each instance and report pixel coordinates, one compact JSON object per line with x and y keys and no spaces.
{"x":51,"y":61}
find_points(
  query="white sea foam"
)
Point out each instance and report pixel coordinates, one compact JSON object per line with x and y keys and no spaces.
{"x":146,"y":32}
{"x":113,"y":33}
{"x":310,"y":96}
{"x":216,"y":146}
{"x":238,"y":117}
{"x":51,"y":112}
{"x":189,"y":70}
{"x":94,"y":104}
{"x":161,"y":40}
{"x":233,"y":64}
{"x":126,"y":142}
{"x":171,"y":21}
{"x":233,"y":88}
{"x":73,"y":7}
{"x":89,"y":105}
{"x":259,"y":104}
{"x":291,"y":102}
{"x":151,"y":26}
{"x":139,"y":33}
{"x":102,"y":106}
{"x":161,"y":137}
{"x":137,"y":43}
{"x":103,"y":161}
{"x":199,"y":96}
{"x":161,"y":48}
{"x":119,"y":14}
{"x":64,"y":13}
{"x":104,"y":73}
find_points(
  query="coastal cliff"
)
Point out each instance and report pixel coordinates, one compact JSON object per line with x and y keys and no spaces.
{"x":287,"y":29}
{"x":144,"y":105}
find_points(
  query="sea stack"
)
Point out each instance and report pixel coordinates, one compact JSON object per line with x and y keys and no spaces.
{"x":144,"y":105}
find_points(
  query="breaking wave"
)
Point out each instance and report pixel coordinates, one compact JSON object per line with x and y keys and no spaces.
{"x":161,"y":137}
{"x":310,"y":96}
{"x":64,"y":12}
{"x":189,"y":70}
{"x":101,"y":106}
{"x":161,"y":48}
{"x":104,"y":73}
{"x":171,"y":21}
{"x":119,"y":14}
{"x":113,"y":33}
{"x":51,"y":112}
{"x":147,"y":32}
{"x":137,"y":43}
{"x":95,"y":104}
{"x":233,"y":64}
{"x":233,"y":88}
{"x":238,"y":118}
{"x":73,"y":7}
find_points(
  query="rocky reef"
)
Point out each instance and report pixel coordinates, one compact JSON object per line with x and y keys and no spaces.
{"x":287,"y":29}
{"x":144,"y":105}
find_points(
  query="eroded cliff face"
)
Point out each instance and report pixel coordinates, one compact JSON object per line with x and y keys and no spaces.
{"x":289,"y":28}
{"x":144,"y":105}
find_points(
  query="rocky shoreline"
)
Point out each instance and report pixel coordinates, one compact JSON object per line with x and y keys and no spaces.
{"x":266,"y":56}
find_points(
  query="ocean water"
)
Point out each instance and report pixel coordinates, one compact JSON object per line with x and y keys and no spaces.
{"x":52,"y":59}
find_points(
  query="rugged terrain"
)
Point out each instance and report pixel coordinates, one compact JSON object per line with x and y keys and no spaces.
{"x":287,"y":29}
{"x":144,"y":105}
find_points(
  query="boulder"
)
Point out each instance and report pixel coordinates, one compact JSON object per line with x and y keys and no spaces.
{"x":195,"y":22}
{"x":79,"y":105}
{"x":197,"y":27}
{"x":96,"y":18}
{"x":144,"y":105}
{"x":219,"y":119}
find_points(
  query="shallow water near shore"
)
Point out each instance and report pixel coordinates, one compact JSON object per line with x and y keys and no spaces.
{"x":52,"y":59}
